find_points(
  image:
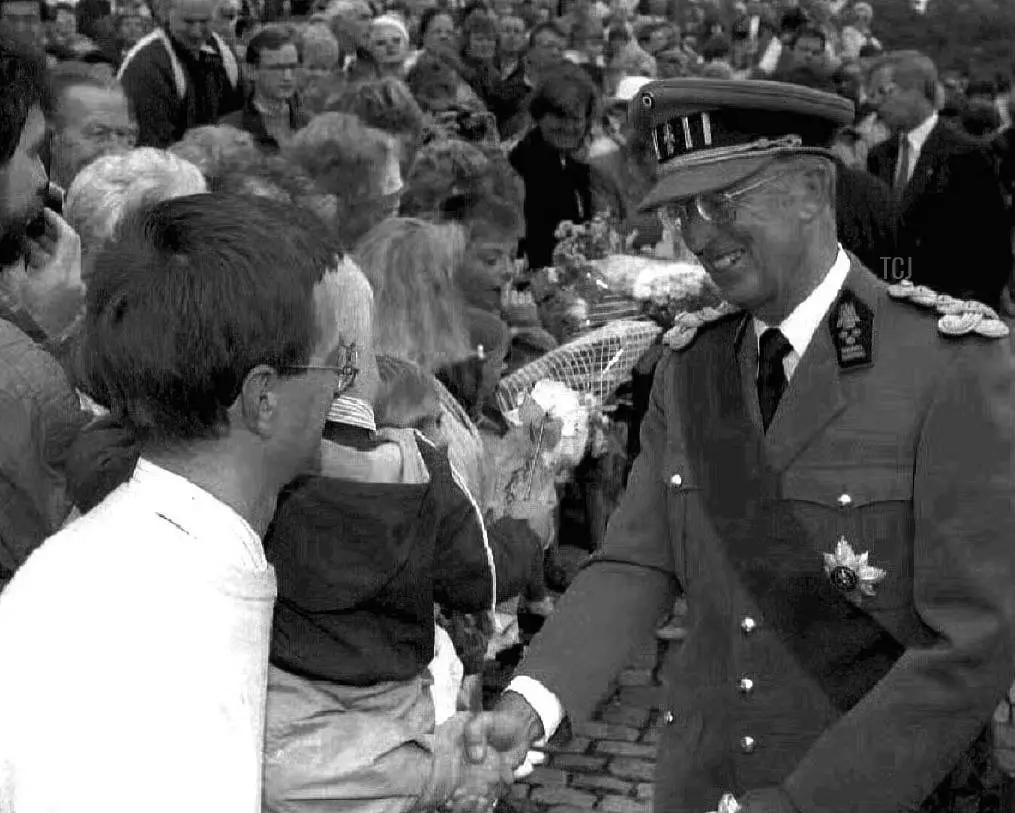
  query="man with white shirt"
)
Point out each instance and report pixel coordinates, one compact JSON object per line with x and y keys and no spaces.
{"x":135,"y":641}
{"x":826,"y":471}
{"x":953,"y":231}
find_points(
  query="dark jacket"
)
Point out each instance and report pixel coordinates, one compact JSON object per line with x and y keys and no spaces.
{"x":360,"y":565}
{"x":557,"y":188}
{"x":170,"y":90}
{"x":510,"y":101}
{"x":866,"y":217}
{"x":250,"y":120}
{"x":792,"y":691}
{"x":1003,"y":148}
{"x":953,"y":229}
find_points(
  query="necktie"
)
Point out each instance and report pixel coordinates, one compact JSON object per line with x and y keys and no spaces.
{"x":772,"y":349}
{"x":902,"y":168}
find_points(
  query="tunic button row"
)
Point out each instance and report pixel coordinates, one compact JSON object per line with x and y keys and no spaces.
{"x":676,"y":481}
{"x":845,"y":501}
{"x":747,"y":745}
{"x":748,"y":625}
{"x":668,"y":718}
{"x":745,"y":685}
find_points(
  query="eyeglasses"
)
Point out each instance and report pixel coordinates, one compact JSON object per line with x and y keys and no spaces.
{"x":346,"y":373}
{"x":720,"y":207}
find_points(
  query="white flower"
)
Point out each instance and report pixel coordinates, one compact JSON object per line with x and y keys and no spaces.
{"x":850,"y":571}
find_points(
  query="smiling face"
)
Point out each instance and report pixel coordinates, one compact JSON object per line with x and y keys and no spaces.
{"x":752,"y":258}
{"x":482,"y":46}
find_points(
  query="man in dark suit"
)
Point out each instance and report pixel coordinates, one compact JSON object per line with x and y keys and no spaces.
{"x":827,"y":467}
{"x":952,"y":234}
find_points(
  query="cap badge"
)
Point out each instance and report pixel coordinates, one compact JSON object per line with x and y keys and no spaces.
{"x":851,"y":323}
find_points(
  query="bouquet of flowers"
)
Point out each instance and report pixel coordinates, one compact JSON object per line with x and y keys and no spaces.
{"x":564,"y":292}
{"x":549,"y":438}
{"x":663,"y":287}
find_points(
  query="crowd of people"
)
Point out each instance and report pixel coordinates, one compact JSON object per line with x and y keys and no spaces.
{"x":263,"y":266}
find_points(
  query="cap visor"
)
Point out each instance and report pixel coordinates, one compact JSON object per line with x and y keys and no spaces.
{"x":685,"y":182}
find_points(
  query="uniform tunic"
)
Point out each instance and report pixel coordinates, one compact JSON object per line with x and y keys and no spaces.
{"x":790,"y":692}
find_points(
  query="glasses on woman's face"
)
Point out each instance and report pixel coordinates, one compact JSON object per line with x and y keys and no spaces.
{"x":345,"y":372}
{"x":719,"y":208}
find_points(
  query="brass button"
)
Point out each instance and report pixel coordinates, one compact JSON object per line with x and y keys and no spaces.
{"x":668,"y":718}
{"x":676,"y":481}
{"x":845,"y":501}
{"x":748,"y":625}
{"x":747,"y":745}
{"x":745,"y":685}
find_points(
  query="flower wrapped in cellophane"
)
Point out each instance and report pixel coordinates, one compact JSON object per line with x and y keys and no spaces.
{"x":549,"y":437}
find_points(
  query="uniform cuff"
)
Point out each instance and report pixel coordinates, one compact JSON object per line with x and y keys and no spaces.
{"x":543,"y":702}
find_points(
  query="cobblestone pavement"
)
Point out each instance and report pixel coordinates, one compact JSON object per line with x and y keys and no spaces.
{"x":609,"y":763}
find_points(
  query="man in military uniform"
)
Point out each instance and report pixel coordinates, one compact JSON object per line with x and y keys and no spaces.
{"x":827,"y":469}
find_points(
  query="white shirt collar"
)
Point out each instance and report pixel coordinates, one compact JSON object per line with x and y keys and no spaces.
{"x":918,"y":135}
{"x":800,"y":326}
{"x":194,"y":511}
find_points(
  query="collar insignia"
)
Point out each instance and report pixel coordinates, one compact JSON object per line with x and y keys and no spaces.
{"x":851,"y":323}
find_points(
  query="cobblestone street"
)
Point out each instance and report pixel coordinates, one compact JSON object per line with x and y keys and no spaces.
{"x":609,"y":763}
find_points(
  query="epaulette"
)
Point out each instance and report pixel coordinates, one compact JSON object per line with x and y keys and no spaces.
{"x":686,"y":324}
{"x":959,"y":317}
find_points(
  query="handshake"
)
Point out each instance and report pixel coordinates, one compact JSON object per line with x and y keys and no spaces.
{"x":495,"y":743}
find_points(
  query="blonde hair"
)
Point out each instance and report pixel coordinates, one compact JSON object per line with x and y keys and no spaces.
{"x":340,"y":144}
{"x":114,"y":185}
{"x":211,"y":147}
{"x":317,"y":41}
{"x":420,"y":314}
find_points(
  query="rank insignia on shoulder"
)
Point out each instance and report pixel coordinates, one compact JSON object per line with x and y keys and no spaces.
{"x":686,"y":324}
{"x":851,"y":323}
{"x":959,"y":317}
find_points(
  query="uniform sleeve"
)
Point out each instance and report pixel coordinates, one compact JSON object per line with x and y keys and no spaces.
{"x":152,"y":98}
{"x":898,"y":743}
{"x":465,"y":576}
{"x":616,"y":600}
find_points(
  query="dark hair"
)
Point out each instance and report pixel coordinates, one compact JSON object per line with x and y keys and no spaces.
{"x":549,"y":25}
{"x":567,"y":81}
{"x":809,"y":32}
{"x":428,"y":17}
{"x":269,"y":39}
{"x":716,"y":47}
{"x":24,"y":84}
{"x":792,"y":20}
{"x":194,"y":293}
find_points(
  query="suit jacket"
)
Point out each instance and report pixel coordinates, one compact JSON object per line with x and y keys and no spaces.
{"x":855,"y":703}
{"x":953,"y":229}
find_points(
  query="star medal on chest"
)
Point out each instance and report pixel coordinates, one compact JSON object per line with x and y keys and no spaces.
{"x":850,"y":573}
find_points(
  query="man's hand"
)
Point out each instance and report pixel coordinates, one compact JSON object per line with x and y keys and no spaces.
{"x":51,"y":288}
{"x":510,"y":730}
{"x":482,"y":785}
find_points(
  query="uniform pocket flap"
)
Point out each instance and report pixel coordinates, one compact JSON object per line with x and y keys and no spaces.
{"x":849,"y":487}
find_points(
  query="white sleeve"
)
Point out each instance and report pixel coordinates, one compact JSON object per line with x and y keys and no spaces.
{"x":543,"y":701}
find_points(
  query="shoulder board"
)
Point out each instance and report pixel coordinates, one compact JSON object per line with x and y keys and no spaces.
{"x":957,"y":317}
{"x":687,"y":324}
